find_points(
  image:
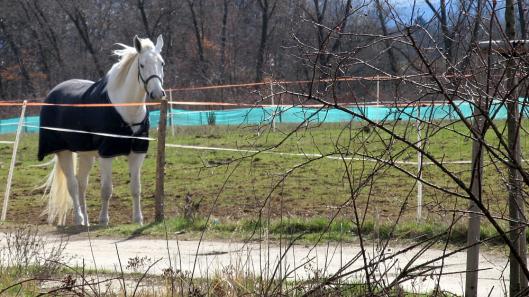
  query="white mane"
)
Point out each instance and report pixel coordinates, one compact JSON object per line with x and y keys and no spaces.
{"x":128,"y":55}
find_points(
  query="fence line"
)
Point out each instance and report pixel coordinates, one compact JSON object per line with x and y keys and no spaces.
{"x":216,"y":103}
{"x":376,"y":78}
{"x":160,"y":168}
{"x":314,"y":155}
{"x":287,"y":82}
{"x":208,"y":148}
{"x":89,"y":132}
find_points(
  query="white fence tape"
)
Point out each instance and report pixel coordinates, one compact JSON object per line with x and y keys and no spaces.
{"x":194,"y":147}
{"x":89,"y":132}
{"x":183,"y":146}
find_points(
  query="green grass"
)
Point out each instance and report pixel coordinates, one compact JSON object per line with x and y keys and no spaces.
{"x":236,"y":188}
{"x":302,"y":230}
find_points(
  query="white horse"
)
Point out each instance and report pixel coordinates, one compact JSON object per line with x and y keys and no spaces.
{"x":103,"y":131}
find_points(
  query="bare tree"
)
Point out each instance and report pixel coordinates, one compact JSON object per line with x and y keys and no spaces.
{"x":267,"y":9}
{"x":198,"y":28}
{"x":18,"y":55}
{"x":389,"y":48}
{"x":222,"y":65}
{"x":521,"y":16}
{"x":152,"y":28}
{"x":78,"y":18}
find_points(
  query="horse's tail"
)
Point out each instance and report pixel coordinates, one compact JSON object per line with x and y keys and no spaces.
{"x":57,"y":194}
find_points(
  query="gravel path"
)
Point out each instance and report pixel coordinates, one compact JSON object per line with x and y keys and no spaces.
{"x":299,"y":262}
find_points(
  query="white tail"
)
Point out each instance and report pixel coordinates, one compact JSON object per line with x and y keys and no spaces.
{"x":56,"y":192}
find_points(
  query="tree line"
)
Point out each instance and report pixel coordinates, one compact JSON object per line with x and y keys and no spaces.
{"x":212,"y":41}
{"x":207,"y":41}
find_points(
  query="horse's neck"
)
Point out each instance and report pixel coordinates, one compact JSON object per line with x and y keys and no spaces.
{"x":128,"y":91}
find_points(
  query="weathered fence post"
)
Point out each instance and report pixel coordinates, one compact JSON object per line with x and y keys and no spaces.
{"x":171,"y":114}
{"x":473,"y":233}
{"x":13,"y":160}
{"x":517,"y":220}
{"x":160,"y":163}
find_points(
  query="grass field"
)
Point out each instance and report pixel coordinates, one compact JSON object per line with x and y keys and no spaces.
{"x":237,"y":190}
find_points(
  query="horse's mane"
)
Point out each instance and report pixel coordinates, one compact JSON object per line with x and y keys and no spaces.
{"x":127,"y":54}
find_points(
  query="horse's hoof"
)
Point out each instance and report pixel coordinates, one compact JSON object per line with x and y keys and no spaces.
{"x":103,"y":221}
{"x":86,"y":222}
{"x":138,"y":220}
{"x":79,"y":220}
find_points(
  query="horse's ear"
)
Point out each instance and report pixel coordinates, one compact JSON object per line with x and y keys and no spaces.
{"x":159,"y":43}
{"x":137,"y":44}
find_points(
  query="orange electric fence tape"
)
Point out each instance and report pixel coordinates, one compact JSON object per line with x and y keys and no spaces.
{"x":243,"y":85}
{"x":226,"y":86}
{"x":289,"y":82}
{"x":210,"y":103}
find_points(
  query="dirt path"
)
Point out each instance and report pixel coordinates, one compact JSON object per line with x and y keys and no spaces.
{"x":299,"y":262}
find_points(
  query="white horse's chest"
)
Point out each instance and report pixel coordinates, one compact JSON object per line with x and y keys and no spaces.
{"x":132,"y":115}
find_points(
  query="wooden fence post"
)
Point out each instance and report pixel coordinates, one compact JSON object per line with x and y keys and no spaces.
{"x":13,"y":160}
{"x":473,"y":233}
{"x":160,"y":163}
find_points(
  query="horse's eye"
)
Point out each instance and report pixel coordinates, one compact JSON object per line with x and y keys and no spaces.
{"x":163,"y":64}
{"x":141,"y":65}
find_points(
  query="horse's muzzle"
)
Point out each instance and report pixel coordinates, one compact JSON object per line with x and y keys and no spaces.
{"x":156,"y":95}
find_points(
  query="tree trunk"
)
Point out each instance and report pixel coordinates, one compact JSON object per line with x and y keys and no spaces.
{"x":45,"y":68}
{"x":320,"y":16}
{"x":326,"y":59}
{"x":50,"y":33}
{"x":79,"y":20}
{"x":447,"y":36}
{"x":446,"y":33}
{"x":474,"y":36}
{"x":391,"y":55}
{"x":262,"y":41}
{"x":521,"y":17}
{"x":223,"y":41}
{"x":16,"y":51}
{"x":199,"y":35}
{"x":144,"y":19}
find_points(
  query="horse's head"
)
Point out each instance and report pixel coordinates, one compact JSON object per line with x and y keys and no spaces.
{"x":150,"y":67}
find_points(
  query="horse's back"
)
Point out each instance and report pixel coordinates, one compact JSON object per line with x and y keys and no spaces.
{"x":77,"y":128}
{"x":69,"y":91}
{"x":53,"y":118}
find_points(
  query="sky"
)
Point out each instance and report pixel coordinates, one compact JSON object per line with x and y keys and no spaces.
{"x":406,"y":7}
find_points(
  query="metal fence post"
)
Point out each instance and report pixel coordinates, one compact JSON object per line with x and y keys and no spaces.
{"x":171,"y":114}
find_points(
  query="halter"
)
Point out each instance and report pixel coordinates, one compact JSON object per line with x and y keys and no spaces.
{"x":146,"y":81}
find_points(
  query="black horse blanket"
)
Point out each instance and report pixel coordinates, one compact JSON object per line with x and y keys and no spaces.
{"x":90,"y":119}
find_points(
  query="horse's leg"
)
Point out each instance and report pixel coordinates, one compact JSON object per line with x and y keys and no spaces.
{"x":105,"y":165}
{"x":67,"y":165}
{"x":135,"y":162}
{"x":85,"y":165}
